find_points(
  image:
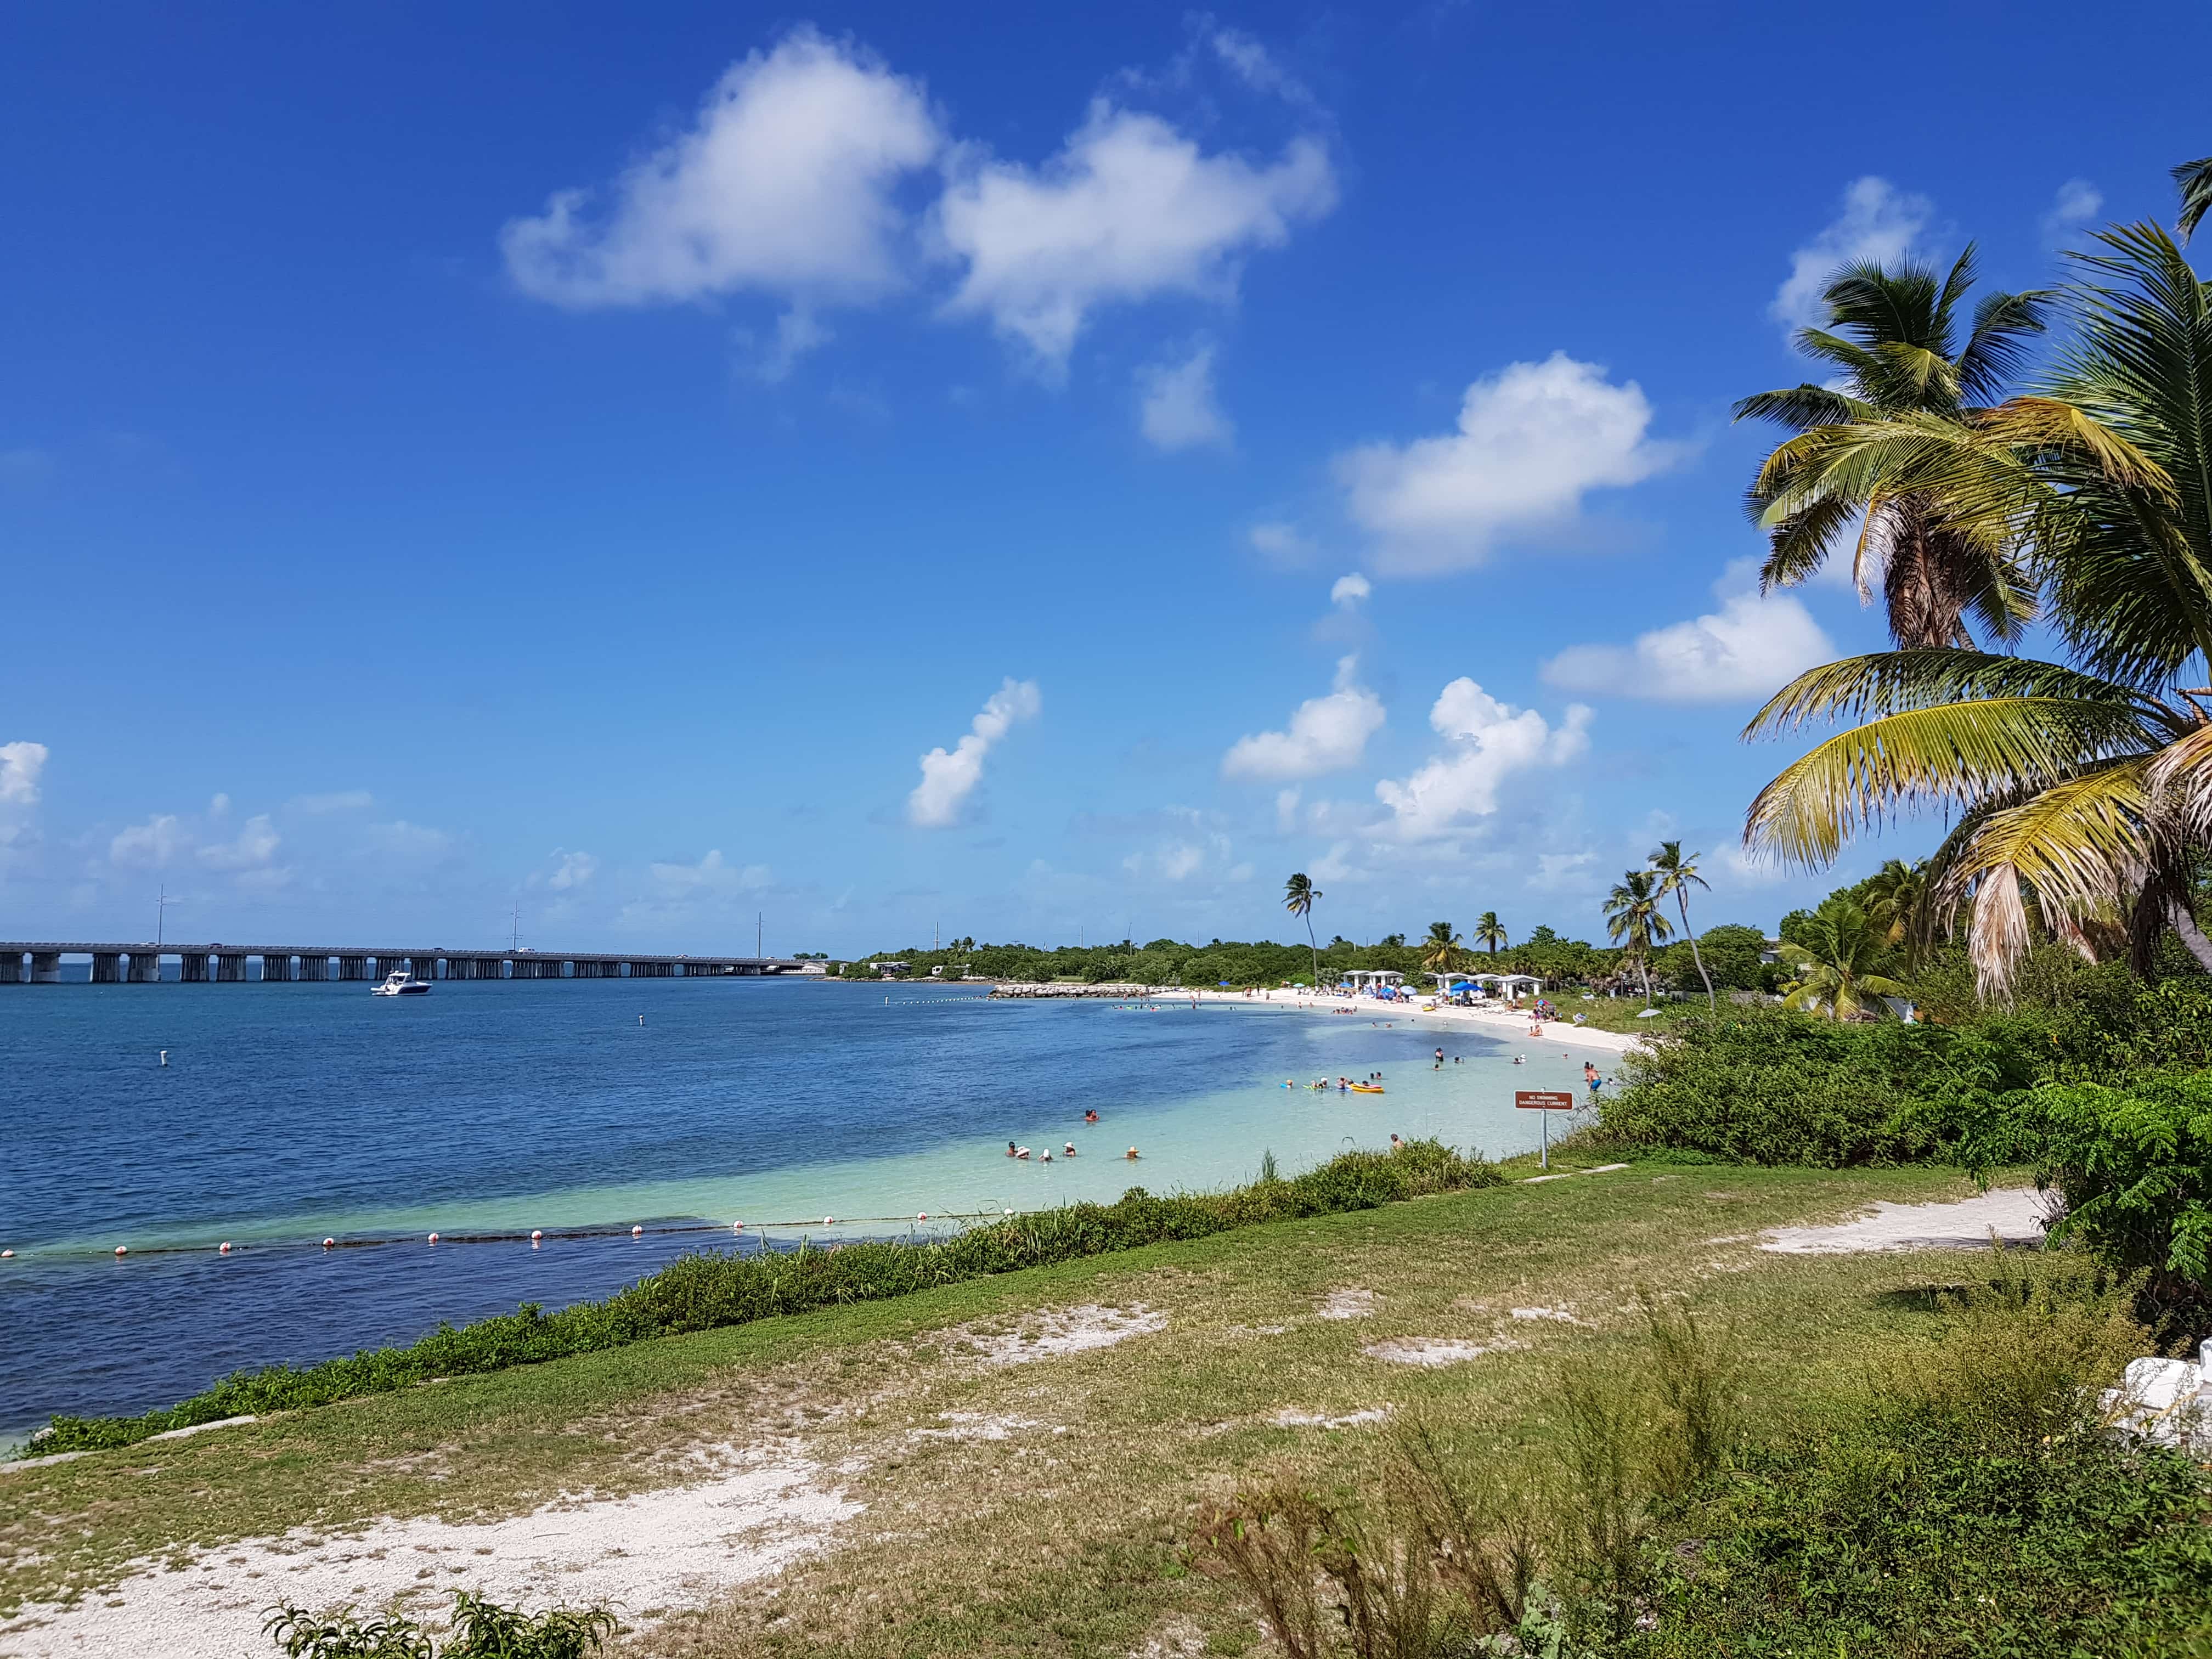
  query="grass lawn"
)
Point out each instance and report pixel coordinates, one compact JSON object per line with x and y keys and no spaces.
{"x":1062,"y":1537}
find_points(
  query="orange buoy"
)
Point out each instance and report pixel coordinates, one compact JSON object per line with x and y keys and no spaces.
{"x":433,"y":1238}
{"x":637,"y":1232}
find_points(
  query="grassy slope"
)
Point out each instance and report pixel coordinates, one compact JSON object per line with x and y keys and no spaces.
{"x":1039,"y":1544}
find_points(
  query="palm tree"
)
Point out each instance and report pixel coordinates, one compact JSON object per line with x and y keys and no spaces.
{"x":1834,"y":973}
{"x":1893,"y":333}
{"x":1633,"y":918}
{"x":1440,"y":950}
{"x":2088,"y":783}
{"x":1489,"y":931}
{"x":1897,"y":902}
{"x":1298,"y":897}
{"x":2194,"y":180}
{"x":1677,"y":875}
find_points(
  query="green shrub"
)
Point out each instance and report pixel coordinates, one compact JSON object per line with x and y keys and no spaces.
{"x":481,"y":1629}
{"x":708,"y":1291}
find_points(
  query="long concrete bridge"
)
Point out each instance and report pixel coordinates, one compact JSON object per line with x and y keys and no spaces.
{"x":36,"y":962}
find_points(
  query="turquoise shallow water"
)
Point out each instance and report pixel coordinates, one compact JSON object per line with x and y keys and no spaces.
{"x":291,"y":1112}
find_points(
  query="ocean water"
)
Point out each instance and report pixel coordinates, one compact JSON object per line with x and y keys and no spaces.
{"x":290,"y":1113}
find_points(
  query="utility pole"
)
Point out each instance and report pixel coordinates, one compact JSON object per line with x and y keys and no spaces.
{"x":760,"y":928}
{"x":161,"y":914}
{"x":515,"y":938}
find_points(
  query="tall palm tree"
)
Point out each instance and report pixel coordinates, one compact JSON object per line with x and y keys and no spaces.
{"x":1298,"y":897}
{"x":1489,"y":931}
{"x":1634,"y":919}
{"x":1677,"y":875}
{"x":1835,"y":972}
{"x":1893,"y":334}
{"x":2088,"y":783}
{"x":1440,"y":951}
{"x":2194,"y":180}
{"x":1897,"y":903}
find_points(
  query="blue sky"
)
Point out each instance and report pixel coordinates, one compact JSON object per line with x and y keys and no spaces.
{"x":1048,"y":476}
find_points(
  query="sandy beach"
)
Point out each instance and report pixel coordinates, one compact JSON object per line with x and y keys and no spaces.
{"x":1489,"y":1022}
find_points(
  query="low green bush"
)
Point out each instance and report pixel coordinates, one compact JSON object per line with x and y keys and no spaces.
{"x":707,"y":1291}
{"x":481,"y":1629}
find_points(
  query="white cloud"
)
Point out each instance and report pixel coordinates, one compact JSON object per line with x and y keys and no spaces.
{"x":1747,"y":649}
{"x":2077,"y":202}
{"x":342,"y":800}
{"x":1533,"y":440}
{"x":1255,"y":66}
{"x":1178,"y":411}
{"x":1348,"y":590}
{"x":410,"y":842}
{"x":152,"y":845}
{"x":253,"y":848}
{"x":798,"y":332}
{"x":950,"y":777}
{"x":785,"y":183}
{"x":1487,"y":742}
{"x":1555,"y":871}
{"x":570,"y":870}
{"x":1326,"y":734}
{"x":712,"y":877}
{"x":1281,"y":542}
{"x":1878,"y":223}
{"x":1127,"y":210}
{"x":20,"y":762}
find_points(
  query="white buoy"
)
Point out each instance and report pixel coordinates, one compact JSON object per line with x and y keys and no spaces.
{"x":535,"y":1235}
{"x":736,"y":1226}
{"x":6,"y":1256}
{"x":223,"y":1249}
{"x":637,"y":1232}
{"x":329,"y":1242}
{"x":924,"y":1216}
{"x":121,"y":1249}
{"x":433,"y":1238}
{"x":165,"y":1056}
{"x":829,"y":1220}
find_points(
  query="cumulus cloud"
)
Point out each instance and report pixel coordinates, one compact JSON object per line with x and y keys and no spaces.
{"x":1878,"y":223}
{"x":2078,"y":202}
{"x":1348,"y":590}
{"x":1178,"y":411}
{"x":1532,"y":440}
{"x":1127,"y":210}
{"x":950,"y":777}
{"x":153,"y":845}
{"x":1326,"y":734}
{"x":21,"y":763}
{"x":1748,"y":648}
{"x":712,"y":877}
{"x":254,"y":846}
{"x":570,"y":870}
{"x":1282,"y":542}
{"x":412,"y":843}
{"x":785,"y":183}
{"x":1487,"y":742}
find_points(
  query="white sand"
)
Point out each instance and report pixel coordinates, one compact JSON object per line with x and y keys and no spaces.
{"x":1431,"y":1349}
{"x":653,"y":1551}
{"x":1056,"y":1331}
{"x":2014,"y":1215}
{"x":1349,"y":1302}
{"x":1489,"y":1022}
{"x":1297,"y":1420}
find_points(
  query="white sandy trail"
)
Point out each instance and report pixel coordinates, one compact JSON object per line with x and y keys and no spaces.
{"x":2015,"y":1214}
{"x":640,"y":1555}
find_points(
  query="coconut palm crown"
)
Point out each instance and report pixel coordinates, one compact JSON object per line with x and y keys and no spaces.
{"x":1836,"y":972}
{"x":1677,"y":875}
{"x":1634,"y":919}
{"x":1892,"y":332}
{"x":1490,"y":932}
{"x":1298,"y":896}
{"x":1440,"y":950}
{"x":2087,"y":783}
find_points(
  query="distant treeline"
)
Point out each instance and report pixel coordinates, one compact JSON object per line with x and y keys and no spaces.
{"x":1731,"y":955}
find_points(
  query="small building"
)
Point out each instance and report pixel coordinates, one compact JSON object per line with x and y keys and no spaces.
{"x":1509,"y":986}
{"x":1375,"y":981}
{"x":893,"y":970}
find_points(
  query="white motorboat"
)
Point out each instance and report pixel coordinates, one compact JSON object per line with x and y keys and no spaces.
{"x":403,"y":984}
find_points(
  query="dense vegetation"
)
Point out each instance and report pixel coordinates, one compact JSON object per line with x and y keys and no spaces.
{"x":1732,"y":955}
{"x":480,"y":1629}
{"x":707,"y":1291}
{"x":1967,"y":1502}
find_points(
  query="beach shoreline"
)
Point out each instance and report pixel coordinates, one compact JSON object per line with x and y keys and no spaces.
{"x":1486,"y":1022}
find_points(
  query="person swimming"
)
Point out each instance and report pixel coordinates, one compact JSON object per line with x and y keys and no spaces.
{"x":1130,"y":1155}
{"x":1068,"y":1150}
{"x":1010,"y":1149}
{"x":1091,"y":1116}
{"x":1022,"y":1152}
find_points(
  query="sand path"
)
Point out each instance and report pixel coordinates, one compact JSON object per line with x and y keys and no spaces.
{"x":2015,"y":1214}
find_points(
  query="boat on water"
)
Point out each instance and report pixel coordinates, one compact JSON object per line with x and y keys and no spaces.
{"x":403,"y":984}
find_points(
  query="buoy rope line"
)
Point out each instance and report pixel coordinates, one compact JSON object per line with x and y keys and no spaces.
{"x":534,"y":1237}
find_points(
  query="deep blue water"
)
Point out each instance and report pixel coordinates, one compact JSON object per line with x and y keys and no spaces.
{"x":287,"y":1113}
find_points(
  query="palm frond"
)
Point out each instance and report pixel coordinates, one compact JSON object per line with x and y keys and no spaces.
{"x":1956,"y":756}
{"x":1890,"y":682}
{"x":1802,"y":407}
{"x":2194,"y":180}
{"x":2004,"y":324}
